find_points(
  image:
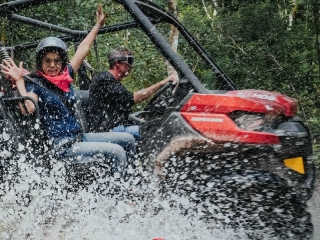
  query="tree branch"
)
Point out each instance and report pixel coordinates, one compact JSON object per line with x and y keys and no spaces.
{"x":236,"y":46}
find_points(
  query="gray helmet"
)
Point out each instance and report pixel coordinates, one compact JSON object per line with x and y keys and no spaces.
{"x":51,"y":44}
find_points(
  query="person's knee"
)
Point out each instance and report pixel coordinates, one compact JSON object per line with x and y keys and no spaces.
{"x":126,"y":140}
{"x":130,"y":142}
{"x":134,"y":130}
{"x":116,"y":151}
{"x":120,"y":128}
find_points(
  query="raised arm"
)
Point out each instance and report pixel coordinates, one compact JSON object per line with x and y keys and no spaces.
{"x":9,"y":68}
{"x":85,"y":45}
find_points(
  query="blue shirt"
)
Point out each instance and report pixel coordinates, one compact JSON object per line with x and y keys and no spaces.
{"x":57,"y":120}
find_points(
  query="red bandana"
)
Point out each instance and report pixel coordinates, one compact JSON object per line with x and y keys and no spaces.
{"x":62,"y":81}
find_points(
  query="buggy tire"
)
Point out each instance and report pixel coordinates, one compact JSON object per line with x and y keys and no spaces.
{"x":258,"y":202}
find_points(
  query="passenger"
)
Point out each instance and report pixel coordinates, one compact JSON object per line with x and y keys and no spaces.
{"x":50,"y":86}
{"x":111,"y":101}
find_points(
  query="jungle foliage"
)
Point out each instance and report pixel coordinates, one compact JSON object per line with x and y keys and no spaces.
{"x":271,"y":45}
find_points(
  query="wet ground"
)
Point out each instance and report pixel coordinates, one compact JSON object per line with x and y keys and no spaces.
{"x":314,"y":209}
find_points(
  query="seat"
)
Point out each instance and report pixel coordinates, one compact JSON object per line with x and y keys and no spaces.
{"x":82,"y":108}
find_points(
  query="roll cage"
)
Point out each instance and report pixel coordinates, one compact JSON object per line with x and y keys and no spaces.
{"x":145,"y":14}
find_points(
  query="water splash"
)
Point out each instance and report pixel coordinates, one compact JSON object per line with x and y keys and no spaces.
{"x":37,"y":204}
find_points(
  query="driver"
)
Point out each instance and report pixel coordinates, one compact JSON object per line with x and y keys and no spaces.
{"x":110,"y":101}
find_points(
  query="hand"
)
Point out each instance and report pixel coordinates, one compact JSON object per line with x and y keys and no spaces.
{"x":10,"y":69}
{"x":173,"y":77}
{"x":100,"y":16}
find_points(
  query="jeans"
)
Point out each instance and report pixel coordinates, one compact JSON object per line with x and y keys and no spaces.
{"x":118,"y":147}
{"x":133,"y":130}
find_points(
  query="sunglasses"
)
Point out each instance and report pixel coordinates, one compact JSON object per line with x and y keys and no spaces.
{"x":127,"y":59}
{"x":48,"y":61}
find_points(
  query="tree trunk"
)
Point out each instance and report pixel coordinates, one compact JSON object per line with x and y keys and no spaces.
{"x":2,"y":28}
{"x":215,"y":7}
{"x":174,"y":35}
{"x":293,"y":13}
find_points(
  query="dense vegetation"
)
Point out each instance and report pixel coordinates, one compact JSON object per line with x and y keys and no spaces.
{"x":271,"y":45}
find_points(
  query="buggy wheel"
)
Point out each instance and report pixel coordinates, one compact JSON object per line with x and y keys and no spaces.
{"x":258,"y":202}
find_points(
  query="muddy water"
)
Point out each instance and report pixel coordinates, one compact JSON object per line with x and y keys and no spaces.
{"x":314,"y":209}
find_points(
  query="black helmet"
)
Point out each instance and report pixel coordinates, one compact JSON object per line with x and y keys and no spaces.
{"x":51,"y":44}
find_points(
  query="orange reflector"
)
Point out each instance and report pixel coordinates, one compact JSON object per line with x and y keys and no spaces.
{"x":295,"y":164}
